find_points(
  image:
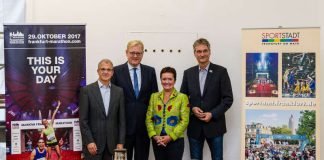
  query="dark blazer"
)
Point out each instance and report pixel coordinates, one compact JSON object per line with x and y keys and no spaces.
{"x":136,"y":108}
{"x":217,"y":99}
{"x":95,"y":125}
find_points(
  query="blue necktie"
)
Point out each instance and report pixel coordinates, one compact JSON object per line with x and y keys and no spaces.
{"x":136,"y":89}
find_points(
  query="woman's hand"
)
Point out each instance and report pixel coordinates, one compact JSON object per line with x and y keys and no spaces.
{"x":166,"y":139}
{"x":159,"y":140}
{"x":156,"y":138}
{"x":162,"y":140}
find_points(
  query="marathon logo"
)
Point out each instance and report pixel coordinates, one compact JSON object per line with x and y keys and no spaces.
{"x":76,"y":123}
{"x":15,"y":126}
{"x":16,"y":37}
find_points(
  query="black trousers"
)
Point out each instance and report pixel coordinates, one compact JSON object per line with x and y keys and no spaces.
{"x":140,"y":144}
{"x":107,"y":155}
{"x":173,"y":150}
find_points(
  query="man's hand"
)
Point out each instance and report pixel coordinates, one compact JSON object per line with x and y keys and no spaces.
{"x":120,"y":146}
{"x":198,"y":112}
{"x":207,"y":117}
{"x":92,"y":148}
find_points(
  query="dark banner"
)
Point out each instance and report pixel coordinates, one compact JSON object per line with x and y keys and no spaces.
{"x":44,"y":70}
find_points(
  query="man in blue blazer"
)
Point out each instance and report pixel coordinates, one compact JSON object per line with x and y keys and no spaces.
{"x":102,"y":115}
{"x":208,"y":87}
{"x":138,"y":82}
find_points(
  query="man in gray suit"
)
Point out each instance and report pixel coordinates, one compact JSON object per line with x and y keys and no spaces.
{"x":102,"y":115}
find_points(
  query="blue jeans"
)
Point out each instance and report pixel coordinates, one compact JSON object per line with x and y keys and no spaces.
{"x":215,"y":145}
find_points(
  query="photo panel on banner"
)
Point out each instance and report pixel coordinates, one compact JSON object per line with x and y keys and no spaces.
{"x":278,"y":134}
{"x":281,"y":106}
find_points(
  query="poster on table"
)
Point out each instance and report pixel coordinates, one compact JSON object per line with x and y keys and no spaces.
{"x":280,"y":81}
{"x":44,"y":70}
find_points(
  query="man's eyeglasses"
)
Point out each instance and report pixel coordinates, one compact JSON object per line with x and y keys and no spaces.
{"x":106,"y":69}
{"x":202,"y":51}
{"x":136,"y":53}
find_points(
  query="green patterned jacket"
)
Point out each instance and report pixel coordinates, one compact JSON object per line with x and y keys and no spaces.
{"x":174,"y":115}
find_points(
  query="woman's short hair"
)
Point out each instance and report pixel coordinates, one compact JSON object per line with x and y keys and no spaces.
{"x":169,"y":70}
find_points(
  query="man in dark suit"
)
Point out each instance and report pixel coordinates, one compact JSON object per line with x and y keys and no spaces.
{"x":138,"y":82}
{"x":210,"y":96}
{"x":102,"y":115}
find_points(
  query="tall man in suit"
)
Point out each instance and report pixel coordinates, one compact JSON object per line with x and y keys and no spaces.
{"x":139,"y":82}
{"x":102,"y":115}
{"x":210,"y":96}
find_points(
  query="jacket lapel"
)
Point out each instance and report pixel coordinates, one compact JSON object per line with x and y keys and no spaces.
{"x":99,"y":100}
{"x":143,"y":79}
{"x":195,"y":76}
{"x":209,"y":77}
{"x":128,"y":79}
{"x":112,"y":99}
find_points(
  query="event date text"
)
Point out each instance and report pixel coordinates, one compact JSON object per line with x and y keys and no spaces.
{"x":54,"y":36}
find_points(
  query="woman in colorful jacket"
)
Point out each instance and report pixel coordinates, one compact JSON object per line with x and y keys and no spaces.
{"x":167,"y":118}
